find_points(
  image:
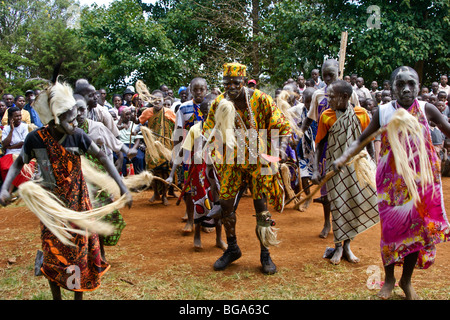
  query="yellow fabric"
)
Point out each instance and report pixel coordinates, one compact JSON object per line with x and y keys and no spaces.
{"x":234,"y":70}
{"x":266,"y":115}
{"x":25,"y":117}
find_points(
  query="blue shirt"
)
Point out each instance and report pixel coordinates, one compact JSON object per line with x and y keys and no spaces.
{"x":34,"y":117}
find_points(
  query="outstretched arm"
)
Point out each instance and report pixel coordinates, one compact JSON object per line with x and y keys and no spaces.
{"x":175,"y":165}
{"x":305,"y":124}
{"x":283,"y":146}
{"x":95,"y":151}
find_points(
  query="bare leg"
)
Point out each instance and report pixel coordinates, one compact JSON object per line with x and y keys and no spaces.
{"x":305,"y":186}
{"x":232,"y":252}
{"x":56,"y":290}
{"x":405,"y":280}
{"x":197,"y":237}
{"x":219,"y":242}
{"x":78,"y":295}
{"x":326,"y":214}
{"x":102,"y":248}
{"x":389,"y":282}
{"x":190,"y":213}
{"x":348,"y":253}
{"x":337,"y":256}
{"x":155,"y":196}
{"x":164,"y":188}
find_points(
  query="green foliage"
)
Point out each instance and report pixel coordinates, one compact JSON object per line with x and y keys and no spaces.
{"x":128,"y":46}
{"x":411,"y":33}
{"x":35,"y":35}
{"x":206,"y":33}
{"x":172,"y":41}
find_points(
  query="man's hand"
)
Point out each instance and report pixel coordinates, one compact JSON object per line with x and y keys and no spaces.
{"x":5,"y":196}
{"x":169,"y":180}
{"x":338,"y":164}
{"x":132,"y":153}
{"x":129,"y":199}
{"x":316,"y":177}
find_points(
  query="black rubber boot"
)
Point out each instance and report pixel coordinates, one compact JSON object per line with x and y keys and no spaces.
{"x":231,"y":254}
{"x":268,"y":267}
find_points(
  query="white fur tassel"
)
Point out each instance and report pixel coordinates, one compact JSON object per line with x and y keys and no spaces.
{"x":104,"y":181}
{"x":57,"y":218}
{"x":405,"y":134}
{"x":225,"y":117}
{"x":266,"y":233}
{"x":54,"y":101}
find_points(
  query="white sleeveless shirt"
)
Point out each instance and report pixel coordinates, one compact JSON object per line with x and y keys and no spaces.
{"x":386,"y":111}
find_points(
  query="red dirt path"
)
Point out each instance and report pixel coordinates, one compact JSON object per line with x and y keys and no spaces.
{"x":153,"y":239}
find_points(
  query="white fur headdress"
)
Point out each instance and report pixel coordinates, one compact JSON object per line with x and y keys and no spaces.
{"x":55,"y":100}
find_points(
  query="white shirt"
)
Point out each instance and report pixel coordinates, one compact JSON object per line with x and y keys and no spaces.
{"x":185,"y":112}
{"x":364,"y":92}
{"x":19,"y":134}
{"x":387,"y":110}
{"x":446,"y":89}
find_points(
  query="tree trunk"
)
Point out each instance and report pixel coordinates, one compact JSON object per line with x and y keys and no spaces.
{"x":255,"y":45}
{"x":419,"y":68}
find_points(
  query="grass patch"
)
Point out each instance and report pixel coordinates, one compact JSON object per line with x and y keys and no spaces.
{"x":320,"y":281}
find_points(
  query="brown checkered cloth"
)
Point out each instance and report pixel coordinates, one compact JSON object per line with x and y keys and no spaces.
{"x":353,"y":203}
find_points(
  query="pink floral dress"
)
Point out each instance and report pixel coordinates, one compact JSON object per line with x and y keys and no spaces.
{"x":407,"y":227}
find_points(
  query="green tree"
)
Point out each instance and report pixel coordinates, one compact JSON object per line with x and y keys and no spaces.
{"x":300,"y":34}
{"x":209,"y":33}
{"x":128,"y":46}
{"x":34,"y":36}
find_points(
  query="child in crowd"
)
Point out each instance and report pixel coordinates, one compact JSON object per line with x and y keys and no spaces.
{"x":353,"y":204}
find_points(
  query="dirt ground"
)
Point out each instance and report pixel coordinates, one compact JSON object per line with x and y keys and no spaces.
{"x":154,"y":240}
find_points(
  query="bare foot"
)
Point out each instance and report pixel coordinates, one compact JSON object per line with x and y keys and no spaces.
{"x":208,"y":229}
{"x":350,"y":256}
{"x":409,"y":291}
{"x":337,"y":256}
{"x":305,"y":205}
{"x":185,"y":217}
{"x":325,"y":231}
{"x":197,"y":244}
{"x":386,"y":290}
{"x":154,"y":198}
{"x":165,"y":201}
{"x":188,"y":228}
{"x":297,"y":205}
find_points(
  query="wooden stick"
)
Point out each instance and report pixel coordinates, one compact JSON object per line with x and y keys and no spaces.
{"x":164,"y":181}
{"x":331,"y":173}
{"x":298,"y":194}
{"x":342,"y":51}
